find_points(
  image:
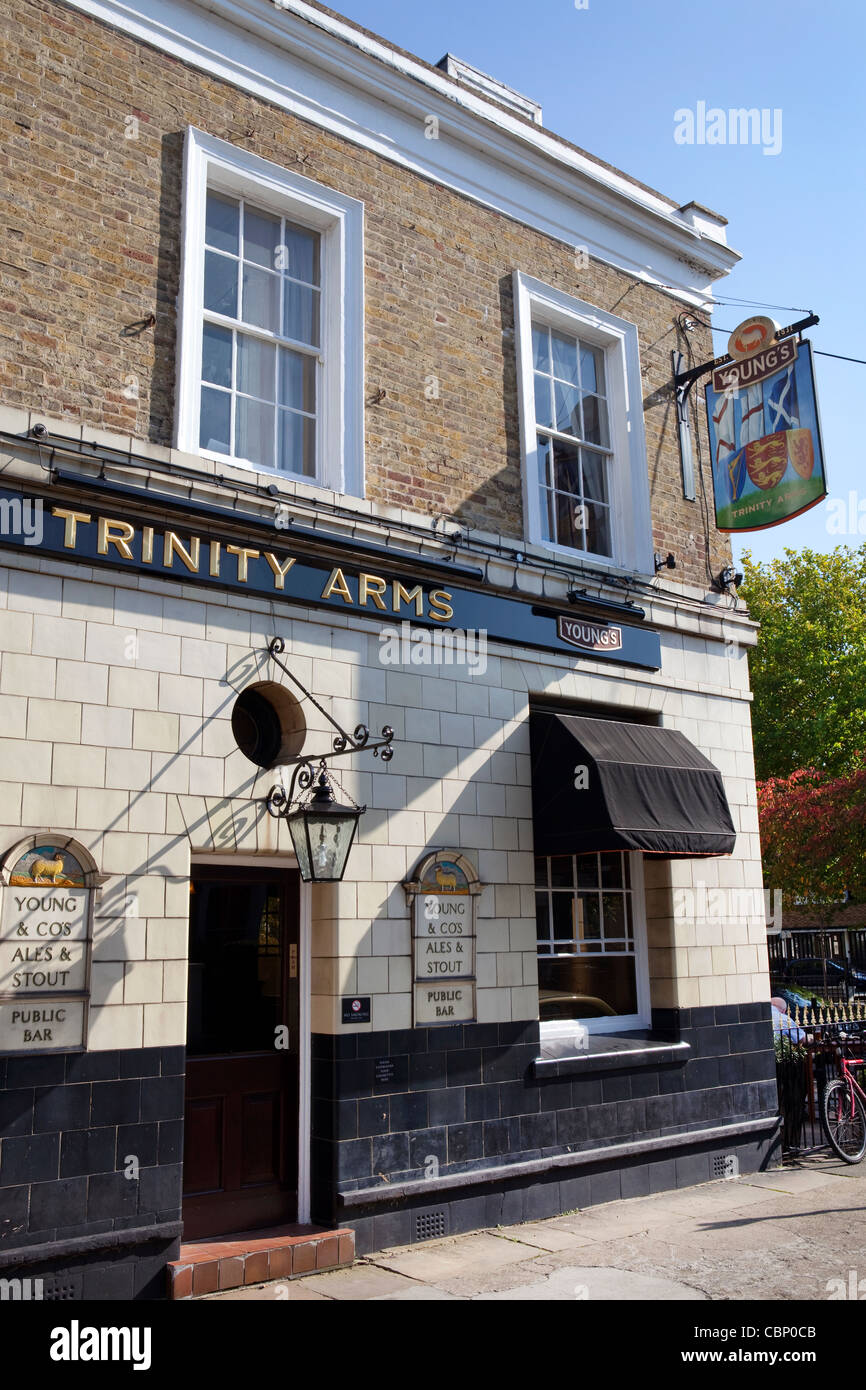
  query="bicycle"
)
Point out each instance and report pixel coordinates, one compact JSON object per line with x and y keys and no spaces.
{"x":843,"y":1112}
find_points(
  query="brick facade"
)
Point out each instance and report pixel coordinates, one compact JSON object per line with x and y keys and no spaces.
{"x":93,"y":237}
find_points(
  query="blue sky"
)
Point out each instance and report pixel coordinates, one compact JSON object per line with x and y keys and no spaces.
{"x":610,"y":78}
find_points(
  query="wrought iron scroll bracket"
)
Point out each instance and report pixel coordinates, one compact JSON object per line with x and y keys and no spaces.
{"x":344,"y":744}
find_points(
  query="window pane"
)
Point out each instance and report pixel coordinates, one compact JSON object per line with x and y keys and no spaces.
{"x":613,"y":909}
{"x":569,"y":520}
{"x":221,"y":284}
{"x":261,"y":298}
{"x":261,"y":237}
{"x":542,"y":917}
{"x":594,"y":475}
{"x":297,"y":380}
{"x":567,"y":412}
{"x":300,"y":257}
{"x":215,"y":423}
{"x":586,"y":987}
{"x":540,"y":871}
{"x":587,"y":871}
{"x":592,"y":369}
{"x":548,"y":514}
{"x":567,"y":475}
{"x":256,"y":367}
{"x":254,"y":432}
{"x":611,"y":870}
{"x":297,"y":444}
{"x":564,"y":357}
{"x":598,"y":529}
{"x":221,"y":223}
{"x":563,"y":917}
{"x":216,"y":355}
{"x":589,"y":916}
{"x":545,"y":461}
{"x":595,"y":420}
{"x":542,"y":401}
{"x":540,"y":349}
{"x":562,"y":871}
{"x":301,"y":314}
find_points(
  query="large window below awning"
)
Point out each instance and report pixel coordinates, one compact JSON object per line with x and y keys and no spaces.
{"x":601,"y":784}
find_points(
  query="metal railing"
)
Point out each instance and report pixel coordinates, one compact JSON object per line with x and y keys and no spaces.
{"x":808,"y":1046}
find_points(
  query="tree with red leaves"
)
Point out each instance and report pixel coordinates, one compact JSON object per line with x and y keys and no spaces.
{"x":813,"y":833}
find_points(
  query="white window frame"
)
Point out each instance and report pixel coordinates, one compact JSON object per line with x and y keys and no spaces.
{"x":578,"y":1028}
{"x":210,"y":163}
{"x":631,"y":522}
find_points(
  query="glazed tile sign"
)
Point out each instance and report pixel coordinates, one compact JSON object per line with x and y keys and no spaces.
{"x":44,"y":938}
{"x":765,"y":439}
{"x":444,"y":946}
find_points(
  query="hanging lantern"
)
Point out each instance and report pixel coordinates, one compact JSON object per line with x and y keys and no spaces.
{"x":322,"y":832}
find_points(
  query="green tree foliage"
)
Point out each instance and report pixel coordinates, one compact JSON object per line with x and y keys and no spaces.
{"x":808,"y":672}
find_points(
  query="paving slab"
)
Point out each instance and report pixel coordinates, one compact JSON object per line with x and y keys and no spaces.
{"x":546,"y":1235}
{"x":597,"y":1283}
{"x":365,"y":1280}
{"x":460,"y":1256}
{"x":789,"y":1180}
{"x":278,"y":1290}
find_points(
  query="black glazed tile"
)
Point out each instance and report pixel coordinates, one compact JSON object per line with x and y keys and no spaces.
{"x":56,"y":1204}
{"x":16,"y":1112}
{"x":29,"y":1158}
{"x":355,"y":1158}
{"x":139,"y":1061}
{"x":85,"y":1151}
{"x":482,"y":1102}
{"x":115,"y":1102}
{"x":60,"y":1108}
{"x":464,"y":1067}
{"x":36,"y":1071}
{"x":447,"y":1107}
{"x":373,"y":1116}
{"x":465,"y":1142}
{"x":140,"y":1142}
{"x":409,"y":1111}
{"x":427,"y":1144}
{"x":540,"y":1131}
{"x":390,"y":1153}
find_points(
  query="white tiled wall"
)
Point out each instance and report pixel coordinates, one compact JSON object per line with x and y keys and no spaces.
{"x":116,"y":700}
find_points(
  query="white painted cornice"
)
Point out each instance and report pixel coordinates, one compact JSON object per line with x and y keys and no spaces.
{"x":325,"y":71}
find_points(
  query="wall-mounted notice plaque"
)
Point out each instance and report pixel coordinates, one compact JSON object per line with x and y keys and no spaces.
{"x":45,"y":933}
{"x":443,"y":894}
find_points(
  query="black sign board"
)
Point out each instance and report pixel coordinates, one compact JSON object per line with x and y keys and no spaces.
{"x":425,"y":621}
{"x":384,"y":1069}
{"x":356,"y":1010}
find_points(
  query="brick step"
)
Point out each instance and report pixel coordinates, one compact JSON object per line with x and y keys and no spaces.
{"x":251,"y":1257}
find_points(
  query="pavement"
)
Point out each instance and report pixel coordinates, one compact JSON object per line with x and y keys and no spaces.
{"x":797,"y":1232}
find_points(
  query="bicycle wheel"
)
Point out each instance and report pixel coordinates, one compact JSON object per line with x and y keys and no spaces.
{"x":845,"y":1128}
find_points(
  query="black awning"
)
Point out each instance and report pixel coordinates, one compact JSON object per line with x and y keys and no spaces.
{"x":598,"y":784}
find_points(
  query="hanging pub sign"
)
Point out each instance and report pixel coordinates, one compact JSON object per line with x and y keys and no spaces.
{"x":442,"y":896}
{"x":765,"y":438}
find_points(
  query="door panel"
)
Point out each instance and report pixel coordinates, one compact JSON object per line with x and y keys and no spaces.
{"x":241,"y":1138}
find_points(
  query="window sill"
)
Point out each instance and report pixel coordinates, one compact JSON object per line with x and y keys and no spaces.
{"x":606,"y":1052}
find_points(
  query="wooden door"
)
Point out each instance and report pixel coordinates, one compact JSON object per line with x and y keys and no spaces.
{"x":240,"y":1167}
